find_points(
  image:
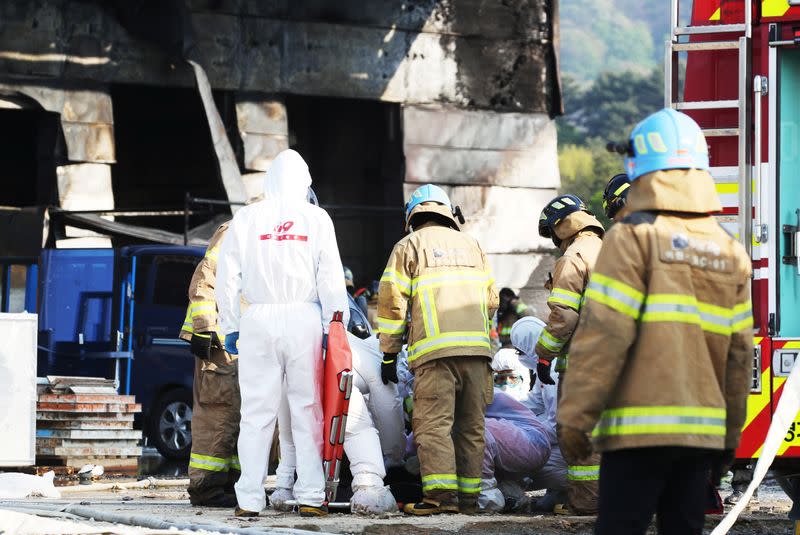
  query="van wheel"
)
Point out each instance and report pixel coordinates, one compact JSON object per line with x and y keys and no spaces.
{"x":170,"y":424}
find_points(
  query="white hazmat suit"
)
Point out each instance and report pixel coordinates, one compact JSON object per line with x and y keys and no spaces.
{"x":374,"y":437}
{"x":280,"y":256}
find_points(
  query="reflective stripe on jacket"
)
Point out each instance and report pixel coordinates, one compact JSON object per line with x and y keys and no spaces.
{"x":570,"y":277}
{"x":201,"y":315}
{"x":663,"y":353}
{"x":440,"y":279}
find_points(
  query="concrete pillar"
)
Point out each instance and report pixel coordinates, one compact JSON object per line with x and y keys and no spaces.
{"x":264,"y":127}
{"x":501,"y":168}
{"x":85,"y":183}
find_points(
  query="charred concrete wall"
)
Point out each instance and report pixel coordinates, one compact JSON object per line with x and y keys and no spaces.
{"x":477,"y":81}
{"x":476,"y":53}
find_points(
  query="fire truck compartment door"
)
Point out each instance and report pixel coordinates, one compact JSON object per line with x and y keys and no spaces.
{"x":789,"y":195}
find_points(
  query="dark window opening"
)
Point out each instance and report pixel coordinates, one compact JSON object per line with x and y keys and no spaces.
{"x":28,"y":140}
{"x":354,"y":150}
{"x":164,"y":150}
{"x":173,"y":274}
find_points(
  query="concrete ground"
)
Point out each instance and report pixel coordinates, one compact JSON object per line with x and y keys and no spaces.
{"x":171,"y":504}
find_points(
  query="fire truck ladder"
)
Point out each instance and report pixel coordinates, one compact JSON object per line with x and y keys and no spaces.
{"x":740,"y":40}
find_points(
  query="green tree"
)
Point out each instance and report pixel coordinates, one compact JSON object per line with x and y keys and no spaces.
{"x":617,"y":101}
{"x":597,"y":36}
{"x":585,"y":171}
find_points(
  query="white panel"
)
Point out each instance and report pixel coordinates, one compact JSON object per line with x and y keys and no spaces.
{"x":455,"y":146}
{"x":85,"y":186}
{"x":18,"y":389}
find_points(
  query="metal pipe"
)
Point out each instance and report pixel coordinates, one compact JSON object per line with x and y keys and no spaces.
{"x":668,"y":72}
{"x":788,"y":42}
{"x":745,"y":183}
{"x":759,"y":90}
{"x":748,"y":18}
{"x":674,"y":20}
{"x":186,"y":203}
{"x":213,"y":202}
{"x":132,"y":213}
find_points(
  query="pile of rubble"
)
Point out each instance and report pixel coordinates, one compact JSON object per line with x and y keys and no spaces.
{"x":81,"y":420}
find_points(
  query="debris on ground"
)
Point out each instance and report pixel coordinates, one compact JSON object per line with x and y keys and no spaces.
{"x":168,"y":505}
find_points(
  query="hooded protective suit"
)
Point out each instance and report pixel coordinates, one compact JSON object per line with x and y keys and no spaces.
{"x":510,"y":375}
{"x":374,"y":436}
{"x":280,"y":256}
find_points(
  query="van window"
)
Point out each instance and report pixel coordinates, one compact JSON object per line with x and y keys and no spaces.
{"x":173,"y":274}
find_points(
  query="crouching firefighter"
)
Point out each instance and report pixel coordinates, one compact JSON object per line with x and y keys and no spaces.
{"x":442,"y":277}
{"x":213,"y":464}
{"x":578,"y":234}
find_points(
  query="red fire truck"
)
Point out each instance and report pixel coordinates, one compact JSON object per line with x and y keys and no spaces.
{"x":734,"y":66}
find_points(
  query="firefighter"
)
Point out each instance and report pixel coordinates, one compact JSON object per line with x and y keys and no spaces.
{"x":441,"y":276}
{"x":659,"y":370}
{"x":511,"y":309}
{"x":578,"y":234}
{"x":213,"y":464}
{"x":614,"y":196}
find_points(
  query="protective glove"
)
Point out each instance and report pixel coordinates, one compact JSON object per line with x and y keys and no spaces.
{"x":201,"y":344}
{"x":543,"y":371}
{"x":574,"y":443}
{"x":720,"y":465}
{"x":389,"y":368}
{"x":231,"y":341}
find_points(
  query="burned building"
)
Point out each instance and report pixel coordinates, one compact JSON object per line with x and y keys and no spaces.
{"x":102,"y":111}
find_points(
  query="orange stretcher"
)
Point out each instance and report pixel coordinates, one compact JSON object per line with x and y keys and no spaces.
{"x":336,"y":388}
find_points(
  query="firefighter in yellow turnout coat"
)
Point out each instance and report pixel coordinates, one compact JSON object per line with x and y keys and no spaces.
{"x":213,"y":464}
{"x":578,"y":234}
{"x":660,"y":366}
{"x":438,"y":291}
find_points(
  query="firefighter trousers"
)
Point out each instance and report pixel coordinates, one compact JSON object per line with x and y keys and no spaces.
{"x":213,"y":464}
{"x":450,"y":399}
{"x":583,"y":477}
{"x":670,"y":482}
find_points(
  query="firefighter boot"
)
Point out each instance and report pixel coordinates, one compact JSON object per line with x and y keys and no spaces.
{"x":312,"y":511}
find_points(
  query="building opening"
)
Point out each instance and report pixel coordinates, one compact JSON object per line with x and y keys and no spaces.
{"x":28,"y":140}
{"x":164,"y":150}
{"x":355,"y":154}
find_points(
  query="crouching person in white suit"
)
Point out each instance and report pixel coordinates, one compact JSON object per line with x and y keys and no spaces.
{"x":373,"y":440}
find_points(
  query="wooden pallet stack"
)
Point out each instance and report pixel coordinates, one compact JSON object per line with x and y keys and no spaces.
{"x":82,"y":420}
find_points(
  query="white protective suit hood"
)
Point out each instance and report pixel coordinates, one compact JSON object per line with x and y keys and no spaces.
{"x":507,"y":360}
{"x":524,"y":334}
{"x":288,"y":177}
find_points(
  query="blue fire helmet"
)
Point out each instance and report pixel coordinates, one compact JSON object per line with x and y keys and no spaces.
{"x":667,"y":139}
{"x":427,"y":193}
